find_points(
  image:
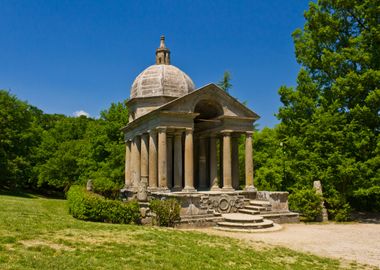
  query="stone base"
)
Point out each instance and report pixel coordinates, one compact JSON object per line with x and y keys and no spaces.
{"x":203,"y":208}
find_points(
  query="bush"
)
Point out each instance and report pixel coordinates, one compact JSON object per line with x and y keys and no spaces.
{"x":167,"y":211}
{"x":86,"y":205}
{"x":307,"y":202}
{"x":106,"y":187}
{"x":338,"y":208}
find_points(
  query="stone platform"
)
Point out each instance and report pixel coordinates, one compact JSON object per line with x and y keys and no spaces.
{"x":238,"y":222}
{"x":208,"y":208}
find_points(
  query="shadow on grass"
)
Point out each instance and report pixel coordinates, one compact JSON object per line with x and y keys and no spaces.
{"x":32,"y":194}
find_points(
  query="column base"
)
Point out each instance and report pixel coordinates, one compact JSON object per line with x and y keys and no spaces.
{"x":228,"y":189}
{"x":250,"y":188}
{"x":215,"y":188}
{"x":176,"y":188}
{"x":163,"y":189}
{"x":152,"y":189}
{"x":189,"y":190}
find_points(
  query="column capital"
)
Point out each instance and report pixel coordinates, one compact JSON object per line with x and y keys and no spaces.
{"x":226,"y":132}
{"x":161,"y":129}
{"x":189,"y":130}
{"x":249,"y":133}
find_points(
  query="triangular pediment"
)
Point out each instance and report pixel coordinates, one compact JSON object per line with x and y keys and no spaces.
{"x":213,"y":94}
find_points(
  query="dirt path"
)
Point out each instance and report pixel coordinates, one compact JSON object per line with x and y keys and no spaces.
{"x":353,"y":242}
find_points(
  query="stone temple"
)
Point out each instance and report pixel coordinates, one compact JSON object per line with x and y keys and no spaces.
{"x":183,"y":142}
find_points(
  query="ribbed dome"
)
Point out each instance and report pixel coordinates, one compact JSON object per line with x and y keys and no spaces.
{"x":161,"y":80}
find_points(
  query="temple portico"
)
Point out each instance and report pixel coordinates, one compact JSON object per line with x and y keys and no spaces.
{"x":164,"y":158}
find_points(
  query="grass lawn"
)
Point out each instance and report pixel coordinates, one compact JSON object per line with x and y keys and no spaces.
{"x":39,"y":233}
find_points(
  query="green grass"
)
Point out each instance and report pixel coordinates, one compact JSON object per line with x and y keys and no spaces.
{"x":38,"y":233}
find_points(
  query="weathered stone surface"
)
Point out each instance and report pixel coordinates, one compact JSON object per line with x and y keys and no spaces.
{"x":318,"y":188}
{"x":278,"y":200}
{"x":161,"y":80}
{"x":89,"y":186}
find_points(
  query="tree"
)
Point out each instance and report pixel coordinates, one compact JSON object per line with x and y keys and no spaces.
{"x":19,"y":135}
{"x":330,"y":122}
{"x":225,"y":83}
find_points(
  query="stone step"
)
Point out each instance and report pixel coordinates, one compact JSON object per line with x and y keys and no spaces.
{"x":260,"y":203}
{"x":266,"y":223}
{"x":242,"y":218}
{"x":249,"y":211}
{"x":257,"y":208}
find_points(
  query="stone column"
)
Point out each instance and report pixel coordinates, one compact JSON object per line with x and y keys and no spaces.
{"x":135,"y":162}
{"x":128,"y":181}
{"x":189,"y":168}
{"x":227,"y":172}
{"x":202,"y":166}
{"x":144,"y":158}
{"x":214,"y":181}
{"x":152,"y":159}
{"x":248,"y":163}
{"x":221,"y":161}
{"x":235,"y":161}
{"x":177,"y":161}
{"x":169,"y":156}
{"x":162,"y":159}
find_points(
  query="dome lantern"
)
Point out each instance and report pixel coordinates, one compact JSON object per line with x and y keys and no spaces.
{"x":162,"y":53}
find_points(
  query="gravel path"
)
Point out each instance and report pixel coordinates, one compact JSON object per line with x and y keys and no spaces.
{"x":353,"y":241}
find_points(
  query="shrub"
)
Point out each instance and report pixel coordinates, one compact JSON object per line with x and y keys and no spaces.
{"x":307,"y":202}
{"x":86,"y":205}
{"x":338,"y":208}
{"x":167,"y":211}
{"x":106,"y":187}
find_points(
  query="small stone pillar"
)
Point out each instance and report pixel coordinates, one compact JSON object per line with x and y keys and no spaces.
{"x":142,"y":193}
{"x":152,"y":159}
{"x":227,"y":172}
{"x":214,"y":181}
{"x":89,"y":185}
{"x":127,"y":179}
{"x":318,"y":189}
{"x":189,"y":166}
{"x":248,"y":163}
{"x":177,"y":161}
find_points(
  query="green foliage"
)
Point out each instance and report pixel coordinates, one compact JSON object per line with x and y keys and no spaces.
{"x":330,"y":121}
{"x":307,"y":202}
{"x":106,"y":187}
{"x":19,"y":136}
{"x":225,"y":83}
{"x":86,"y":205}
{"x":167,"y":211}
{"x":337,"y":207}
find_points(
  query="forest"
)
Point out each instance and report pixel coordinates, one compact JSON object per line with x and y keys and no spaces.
{"x":328,"y":127}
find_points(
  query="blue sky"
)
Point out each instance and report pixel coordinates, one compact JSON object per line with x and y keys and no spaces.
{"x":67,"y":56}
